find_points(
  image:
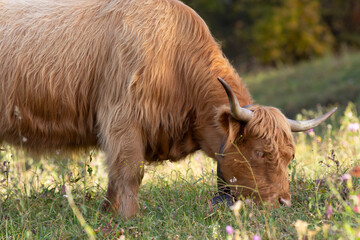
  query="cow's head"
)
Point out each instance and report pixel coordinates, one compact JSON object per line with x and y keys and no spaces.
{"x":259,"y":147}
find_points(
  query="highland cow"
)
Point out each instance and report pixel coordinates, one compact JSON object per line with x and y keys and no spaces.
{"x":138,"y":79}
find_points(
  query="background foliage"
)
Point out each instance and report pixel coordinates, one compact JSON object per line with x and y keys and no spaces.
{"x":276,"y":32}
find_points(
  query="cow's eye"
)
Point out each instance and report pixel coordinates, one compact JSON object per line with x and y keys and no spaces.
{"x":260,"y":154}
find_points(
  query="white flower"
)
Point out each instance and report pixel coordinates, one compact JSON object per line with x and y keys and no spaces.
{"x":232,"y":180}
{"x":353,"y":127}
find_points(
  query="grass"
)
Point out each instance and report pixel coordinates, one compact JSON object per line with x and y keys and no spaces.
{"x":175,"y":197}
{"x":325,"y":81}
{"x":36,"y":193}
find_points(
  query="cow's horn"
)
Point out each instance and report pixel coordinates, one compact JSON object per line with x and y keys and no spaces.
{"x":301,"y":126}
{"x":237,"y":112}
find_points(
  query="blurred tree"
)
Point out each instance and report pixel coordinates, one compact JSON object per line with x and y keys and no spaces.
{"x":294,"y":31}
{"x":258,"y":32}
{"x":231,"y":23}
{"x":343,"y":18}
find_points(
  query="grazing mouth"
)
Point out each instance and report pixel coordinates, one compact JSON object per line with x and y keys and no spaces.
{"x":223,"y":198}
{"x":229,"y":199}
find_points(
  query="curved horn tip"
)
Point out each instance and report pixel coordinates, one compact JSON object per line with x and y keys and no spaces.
{"x":301,"y":126}
{"x":333,"y":110}
{"x":327,"y":115}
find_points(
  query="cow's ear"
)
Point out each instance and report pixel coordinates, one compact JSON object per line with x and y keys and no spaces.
{"x":229,"y":125}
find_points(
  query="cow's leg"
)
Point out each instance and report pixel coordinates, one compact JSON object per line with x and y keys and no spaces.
{"x":123,"y":188}
{"x":125,"y":165}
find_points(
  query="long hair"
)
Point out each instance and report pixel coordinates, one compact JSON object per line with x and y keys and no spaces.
{"x":271,"y":125}
{"x":73,"y":69}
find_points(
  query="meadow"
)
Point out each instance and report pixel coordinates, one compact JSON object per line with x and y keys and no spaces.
{"x":59,"y":197}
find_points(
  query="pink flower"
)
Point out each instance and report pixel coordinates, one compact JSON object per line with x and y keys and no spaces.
{"x":356,"y":209}
{"x":328,"y":212}
{"x":256,"y":237}
{"x":353,"y":127}
{"x":229,"y":229}
{"x":345,"y":177}
{"x":310,"y":130}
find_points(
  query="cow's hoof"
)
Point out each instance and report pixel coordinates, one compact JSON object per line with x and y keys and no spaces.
{"x":225,"y":199}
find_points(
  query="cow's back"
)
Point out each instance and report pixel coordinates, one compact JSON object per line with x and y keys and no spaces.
{"x":51,"y":56}
{"x":66,"y":64}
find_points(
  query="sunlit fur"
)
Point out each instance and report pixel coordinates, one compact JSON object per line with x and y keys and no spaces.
{"x":136,"y":78}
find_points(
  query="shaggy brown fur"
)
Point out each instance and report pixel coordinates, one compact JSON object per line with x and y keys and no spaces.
{"x":136,"y":78}
{"x":266,"y":147}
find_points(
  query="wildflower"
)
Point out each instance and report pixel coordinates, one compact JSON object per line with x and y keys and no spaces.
{"x":356,"y":199}
{"x":236,"y":207}
{"x":310,"y":130}
{"x":301,"y":228}
{"x":233,"y":180}
{"x":229,"y":229}
{"x":256,"y":237}
{"x":356,"y":209}
{"x":329,"y":211}
{"x":215,"y":231}
{"x":353,"y":127}
{"x":345,"y":177}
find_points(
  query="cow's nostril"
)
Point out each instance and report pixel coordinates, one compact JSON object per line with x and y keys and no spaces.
{"x":286,"y":202}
